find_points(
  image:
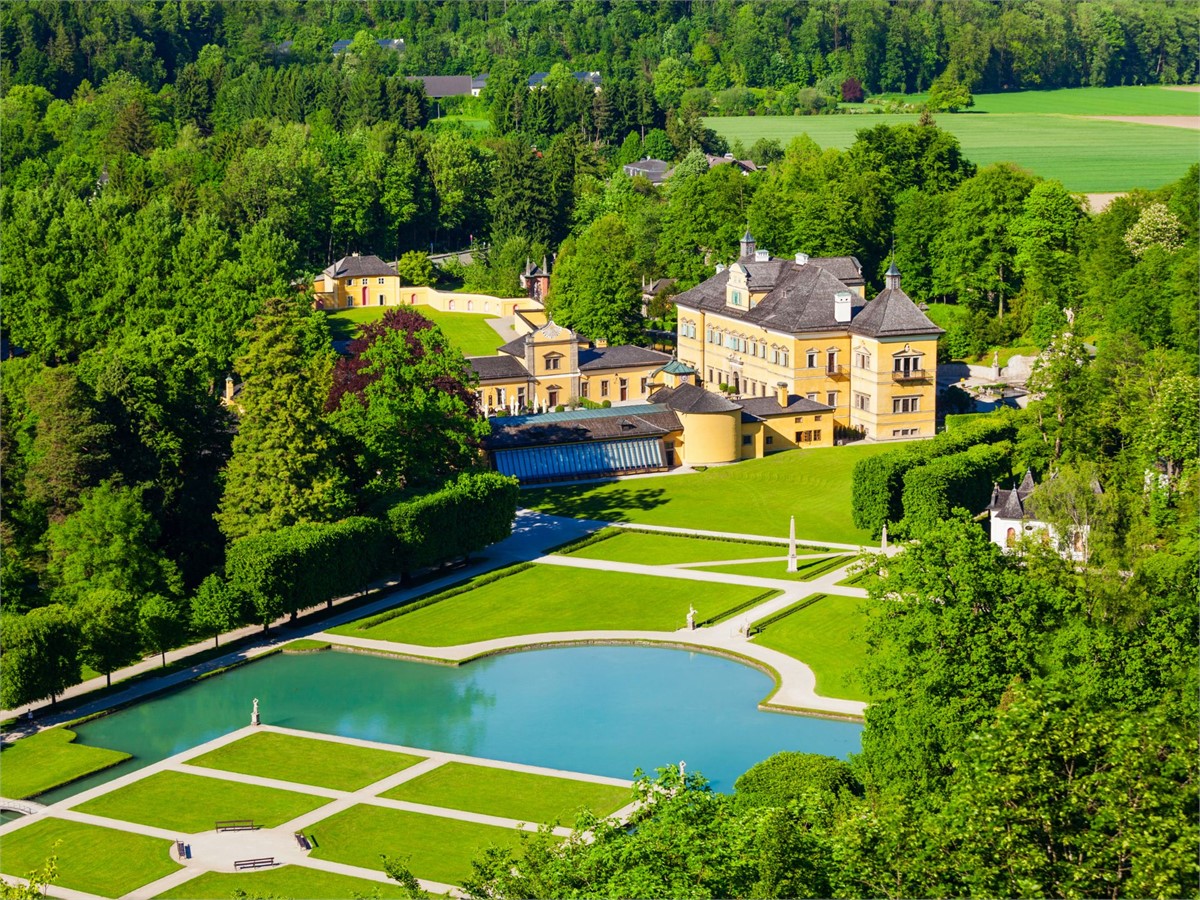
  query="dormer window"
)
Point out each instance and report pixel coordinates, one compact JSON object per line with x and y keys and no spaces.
{"x":735,"y":298}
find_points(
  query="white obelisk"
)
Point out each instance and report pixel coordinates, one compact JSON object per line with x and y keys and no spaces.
{"x":792,"y":547}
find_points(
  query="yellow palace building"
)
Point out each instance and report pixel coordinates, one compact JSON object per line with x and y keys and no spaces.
{"x":802,"y":326}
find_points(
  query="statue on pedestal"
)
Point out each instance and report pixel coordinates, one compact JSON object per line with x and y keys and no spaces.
{"x":254,"y":714}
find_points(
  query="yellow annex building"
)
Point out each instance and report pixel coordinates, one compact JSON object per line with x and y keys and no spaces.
{"x":802,"y":326}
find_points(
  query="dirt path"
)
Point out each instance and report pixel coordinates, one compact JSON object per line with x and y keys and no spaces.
{"x":1099,"y":202}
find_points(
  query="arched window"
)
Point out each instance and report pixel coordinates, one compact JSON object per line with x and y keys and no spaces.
{"x":1010,"y":537}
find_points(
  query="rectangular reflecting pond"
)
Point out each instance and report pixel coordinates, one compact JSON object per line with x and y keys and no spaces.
{"x":601,"y":709}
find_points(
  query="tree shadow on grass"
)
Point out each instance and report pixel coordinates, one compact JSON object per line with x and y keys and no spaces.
{"x":591,"y":502}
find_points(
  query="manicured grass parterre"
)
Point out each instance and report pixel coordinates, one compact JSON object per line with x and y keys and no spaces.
{"x":522,"y":796}
{"x":469,"y":332}
{"x":824,"y":636}
{"x":192,"y":803}
{"x":330,"y":764}
{"x":432,"y":847}
{"x":286,"y":881}
{"x":547,"y":598}
{"x":1086,"y":155}
{"x":50,"y":758}
{"x":101,"y":861}
{"x":806,"y":569}
{"x":649,"y":549}
{"x":752,"y":497}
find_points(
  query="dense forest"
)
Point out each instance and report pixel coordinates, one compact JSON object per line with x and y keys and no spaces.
{"x":175,"y":175}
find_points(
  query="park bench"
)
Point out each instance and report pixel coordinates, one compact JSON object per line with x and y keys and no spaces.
{"x":179,"y":849}
{"x":254,"y":863}
{"x":236,"y":825}
{"x":303,"y":841}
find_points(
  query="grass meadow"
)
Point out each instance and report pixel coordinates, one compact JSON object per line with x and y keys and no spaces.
{"x":548,"y":598}
{"x":824,"y":636}
{"x":522,"y":796}
{"x":752,"y":497}
{"x":1086,"y":155}
{"x":96,"y":860}
{"x":286,"y":881}
{"x":192,"y":803}
{"x":45,"y":760}
{"x":432,"y":847}
{"x":330,"y":764}
{"x":469,"y":332}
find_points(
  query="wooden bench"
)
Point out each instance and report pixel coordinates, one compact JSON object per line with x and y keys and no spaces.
{"x":254,"y":863}
{"x":179,"y":849}
{"x":303,"y":841}
{"x":236,"y":825}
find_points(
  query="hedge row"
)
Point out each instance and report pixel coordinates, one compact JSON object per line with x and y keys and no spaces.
{"x":466,"y":515}
{"x":878,"y":484}
{"x":299,"y":566}
{"x":962,"y":479}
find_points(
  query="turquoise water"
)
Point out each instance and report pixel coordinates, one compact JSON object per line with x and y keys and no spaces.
{"x":605,"y":710}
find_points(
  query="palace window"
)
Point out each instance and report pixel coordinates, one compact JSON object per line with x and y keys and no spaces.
{"x":906,"y":364}
{"x":552,"y":361}
{"x":862,"y":359}
{"x":783,"y":358}
{"x":831,"y":398}
{"x":380,"y":281}
{"x":906,"y":404}
{"x":349,"y":282}
{"x":812,"y":359}
{"x":583,"y":388}
{"x":812,"y":397}
{"x":910,"y":432}
{"x":862,"y":401}
{"x":604,"y":387}
{"x":645,"y":384}
{"x":747,"y":440}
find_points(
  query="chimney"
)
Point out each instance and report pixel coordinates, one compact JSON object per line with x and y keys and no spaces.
{"x":802,"y":259}
{"x":747,"y":245}
{"x":761,"y":256}
{"x":781,"y":394}
{"x":892,"y":278}
{"x":228,"y":388}
{"x":842,"y":301}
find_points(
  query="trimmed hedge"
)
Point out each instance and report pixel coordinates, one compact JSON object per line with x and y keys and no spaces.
{"x":299,"y":566}
{"x":878,"y":486}
{"x":964,"y":480}
{"x":466,"y":515}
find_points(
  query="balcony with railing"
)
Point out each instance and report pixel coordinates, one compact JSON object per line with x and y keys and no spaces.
{"x":835,"y":371}
{"x":909,"y":375}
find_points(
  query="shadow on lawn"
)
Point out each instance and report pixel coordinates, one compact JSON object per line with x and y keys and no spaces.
{"x":594,"y":502}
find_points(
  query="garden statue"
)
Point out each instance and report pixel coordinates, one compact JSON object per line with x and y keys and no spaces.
{"x":691,"y":618}
{"x":254,"y":714}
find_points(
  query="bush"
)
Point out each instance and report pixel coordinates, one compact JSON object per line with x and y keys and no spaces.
{"x":466,"y":515}
{"x":790,"y":775}
{"x":852,"y":91}
{"x":934,"y":490}
{"x":302,"y":565}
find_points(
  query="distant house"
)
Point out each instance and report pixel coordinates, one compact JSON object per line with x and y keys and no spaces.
{"x":746,"y":166}
{"x":659,"y":287}
{"x":444,"y":85}
{"x":655,"y":170}
{"x":339,"y":47}
{"x":478,"y":83}
{"x":358,"y":281}
{"x":535,"y":280}
{"x":538,"y":78}
{"x":1011,"y":519}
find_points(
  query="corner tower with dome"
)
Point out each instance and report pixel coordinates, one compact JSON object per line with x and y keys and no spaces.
{"x":802,"y":325}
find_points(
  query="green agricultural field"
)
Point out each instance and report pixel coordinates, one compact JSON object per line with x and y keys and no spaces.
{"x":330,"y":764}
{"x":50,"y":758}
{"x":1086,"y":155}
{"x":469,"y":332}
{"x":101,"y":861}
{"x":668,"y":549}
{"x":547,"y":598}
{"x":752,"y":497}
{"x":806,"y":569}
{"x":1147,"y":100}
{"x":432,"y":847}
{"x":192,"y":803}
{"x":824,"y":636}
{"x":286,"y":881}
{"x":511,"y":795}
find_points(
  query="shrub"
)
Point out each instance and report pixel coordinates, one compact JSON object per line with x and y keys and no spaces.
{"x":934,"y":490}
{"x":790,"y":775}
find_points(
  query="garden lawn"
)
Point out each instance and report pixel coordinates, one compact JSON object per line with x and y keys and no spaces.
{"x":286,"y":881}
{"x":90,"y":858}
{"x":432,"y":847}
{"x":50,"y":758}
{"x":1086,"y":155}
{"x":668,"y":549}
{"x":331,"y":764}
{"x":547,"y":598}
{"x":824,"y":636}
{"x":187,"y":803}
{"x":523,"y":796}
{"x":752,"y":497}
{"x":806,"y":569}
{"x":469,"y":332}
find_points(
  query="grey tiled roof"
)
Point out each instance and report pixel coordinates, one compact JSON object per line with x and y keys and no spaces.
{"x":892,"y":313}
{"x":846,"y":269}
{"x":491,"y":368}
{"x":358,"y":267}
{"x":620,"y":357}
{"x":444,"y":85}
{"x":580,"y":426}
{"x":687,"y":398}
{"x":654,"y":169}
{"x":515,"y":347}
{"x":800,"y":298}
{"x":766,"y":407}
